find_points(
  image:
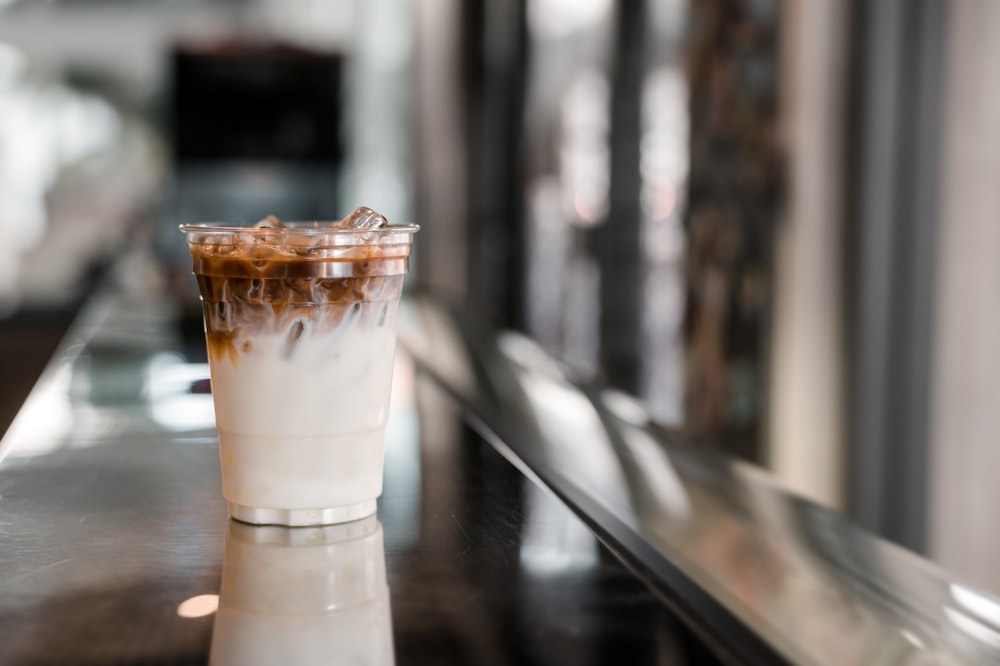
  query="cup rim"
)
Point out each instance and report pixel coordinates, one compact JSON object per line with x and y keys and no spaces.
{"x":296,"y":228}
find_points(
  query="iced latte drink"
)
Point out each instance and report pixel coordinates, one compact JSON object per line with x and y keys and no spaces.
{"x":300,"y":322}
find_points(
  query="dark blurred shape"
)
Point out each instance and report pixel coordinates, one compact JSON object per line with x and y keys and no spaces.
{"x":241,"y":100}
{"x":619,"y":239}
{"x":256,"y":130}
{"x":494,"y":81}
{"x":892,"y":229}
{"x":27,"y":341}
{"x":733,"y":201}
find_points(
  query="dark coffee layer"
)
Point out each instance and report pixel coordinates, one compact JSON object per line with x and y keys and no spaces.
{"x":273,"y":279}
{"x":266,"y":262}
{"x":278,"y":293}
{"x":237,"y":309}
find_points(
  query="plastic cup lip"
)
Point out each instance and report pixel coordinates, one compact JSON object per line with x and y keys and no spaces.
{"x":296,"y":229}
{"x":309,"y":236}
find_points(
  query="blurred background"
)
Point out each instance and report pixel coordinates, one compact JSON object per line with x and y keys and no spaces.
{"x":775,"y":222}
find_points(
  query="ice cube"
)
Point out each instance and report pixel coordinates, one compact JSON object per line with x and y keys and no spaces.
{"x":362,"y":218}
{"x":270,"y":222}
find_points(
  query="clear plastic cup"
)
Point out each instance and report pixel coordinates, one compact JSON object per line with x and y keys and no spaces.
{"x":300,"y":323}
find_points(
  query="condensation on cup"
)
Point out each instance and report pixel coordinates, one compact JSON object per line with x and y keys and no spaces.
{"x":300,"y":323}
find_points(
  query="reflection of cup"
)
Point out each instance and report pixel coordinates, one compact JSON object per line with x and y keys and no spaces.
{"x":301,"y":329}
{"x":307,"y":595}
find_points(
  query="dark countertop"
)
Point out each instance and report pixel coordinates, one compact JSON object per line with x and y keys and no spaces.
{"x":525,"y":520}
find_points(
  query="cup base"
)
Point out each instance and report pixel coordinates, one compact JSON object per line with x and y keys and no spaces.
{"x":301,"y":517}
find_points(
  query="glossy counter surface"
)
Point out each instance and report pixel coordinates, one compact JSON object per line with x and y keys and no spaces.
{"x":524,"y":521}
{"x":115,"y":547}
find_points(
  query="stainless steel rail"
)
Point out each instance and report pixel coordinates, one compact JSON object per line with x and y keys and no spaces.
{"x":762,"y":573}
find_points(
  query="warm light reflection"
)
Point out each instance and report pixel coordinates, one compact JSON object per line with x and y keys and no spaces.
{"x":199,"y":606}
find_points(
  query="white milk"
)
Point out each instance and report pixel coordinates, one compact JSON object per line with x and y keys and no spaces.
{"x":301,"y":424}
